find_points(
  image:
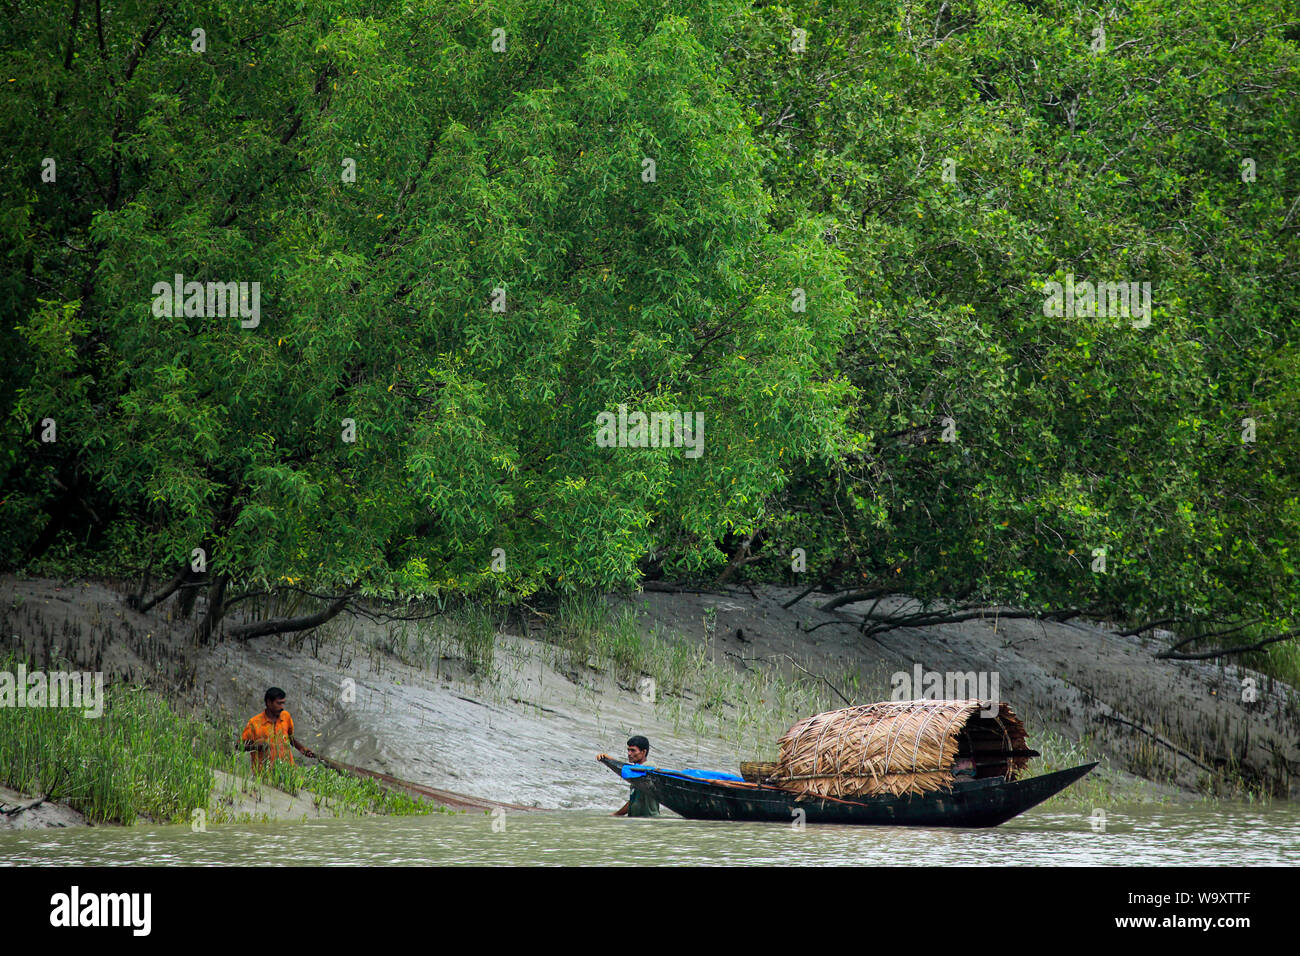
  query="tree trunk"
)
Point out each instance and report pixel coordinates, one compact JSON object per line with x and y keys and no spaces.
{"x":140,"y":604}
{"x":740,"y":558}
{"x":216,"y":609}
{"x":189,"y":591}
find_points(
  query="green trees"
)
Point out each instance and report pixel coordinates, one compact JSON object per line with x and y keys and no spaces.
{"x":462,"y":256}
{"x":475,"y":230}
{"x":971,"y":153}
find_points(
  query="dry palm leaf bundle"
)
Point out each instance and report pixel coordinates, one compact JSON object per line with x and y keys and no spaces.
{"x":898,"y":747}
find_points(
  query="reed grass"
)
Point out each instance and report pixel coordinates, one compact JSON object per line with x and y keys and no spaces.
{"x":750,"y":707}
{"x":339,"y":793}
{"x":138,"y":760}
{"x":1104,"y":788}
{"x":142,"y":760}
{"x":586,"y":638}
{"x":1279,"y":661}
{"x":475,"y":630}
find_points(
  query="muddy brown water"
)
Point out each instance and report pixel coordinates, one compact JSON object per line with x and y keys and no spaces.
{"x":1222,"y":835}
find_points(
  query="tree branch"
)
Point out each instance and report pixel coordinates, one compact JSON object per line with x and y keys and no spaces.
{"x":834,"y":570}
{"x":739,"y":559}
{"x":931,"y":619}
{"x":852,"y":597}
{"x":287,"y":625}
{"x":142,"y":605}
{"x":1169,"y":655}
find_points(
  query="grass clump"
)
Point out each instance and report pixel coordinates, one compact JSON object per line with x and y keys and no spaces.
{"x":142,"y":760}
{"x":139,"y":759}
{"x":751,"y":707}
{"x":1102,"y":788}
{"x":474,"y":628}
{"x":340,"y":793}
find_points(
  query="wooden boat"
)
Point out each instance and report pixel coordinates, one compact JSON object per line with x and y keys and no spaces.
{"x":968,"y":803}
{"x":892,"y":763}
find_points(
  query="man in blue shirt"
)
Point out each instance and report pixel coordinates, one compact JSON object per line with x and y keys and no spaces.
{"x":638,"y":804}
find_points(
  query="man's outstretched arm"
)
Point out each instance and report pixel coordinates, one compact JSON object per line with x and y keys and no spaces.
{"x":251,"y":742}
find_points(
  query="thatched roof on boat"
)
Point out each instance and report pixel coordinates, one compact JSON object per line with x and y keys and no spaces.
{"x":898,"y":747}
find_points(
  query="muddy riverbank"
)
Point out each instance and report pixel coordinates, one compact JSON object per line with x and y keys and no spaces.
{"x":233,"y":799}
{"x":711,"y":679}
{"x":23,"y":811}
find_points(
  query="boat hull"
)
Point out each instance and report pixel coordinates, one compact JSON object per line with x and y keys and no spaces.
{"x":975,"y":803}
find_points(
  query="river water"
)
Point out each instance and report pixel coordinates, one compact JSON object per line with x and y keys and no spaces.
{"x":1222,"y":835}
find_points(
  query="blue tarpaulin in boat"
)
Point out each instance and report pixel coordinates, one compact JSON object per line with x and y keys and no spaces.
{"x":631,"y":770}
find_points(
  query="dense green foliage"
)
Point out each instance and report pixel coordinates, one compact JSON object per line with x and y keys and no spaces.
{"x":476,"y":170}
{"x":919,"y":171}
{"x":1072,"y":433}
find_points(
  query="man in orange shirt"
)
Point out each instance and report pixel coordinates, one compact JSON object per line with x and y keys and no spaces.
{"x":267,"y":735}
